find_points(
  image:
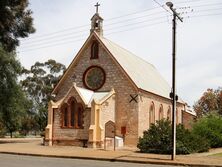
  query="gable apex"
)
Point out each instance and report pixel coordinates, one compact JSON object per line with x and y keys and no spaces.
{"x":96,"y":16}
{"x":92,"y":36}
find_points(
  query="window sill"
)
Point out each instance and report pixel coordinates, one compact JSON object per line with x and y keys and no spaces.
{"x":67,"y":127}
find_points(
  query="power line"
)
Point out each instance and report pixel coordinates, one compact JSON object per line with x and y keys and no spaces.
{"x":140,"y":22}
{"x":72,"y":41}
{"x":211,"y":4}
{"x":57,"y":33}
{"x":138,"y":27}
{"x":68,"y":33}
{"x":189,"y":1}
{"x":203,"y":11}
{"x":109,"y":19}
{"x":42,"y":41}
{"x":71,"y":37}
{"x":206,"y":10}
{"x":162,"y":6}
{"x":53,"y":37}
{"x":152,"y":14}
{"x":141,"y":11}
{"x":132,"y":28}
{"x":52,"y":45}
{"x":205,"y":15}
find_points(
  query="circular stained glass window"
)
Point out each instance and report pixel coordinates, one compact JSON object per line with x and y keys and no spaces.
{"x":94,"y":78}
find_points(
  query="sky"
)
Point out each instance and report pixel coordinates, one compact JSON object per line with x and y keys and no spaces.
{"x":144,"y":27}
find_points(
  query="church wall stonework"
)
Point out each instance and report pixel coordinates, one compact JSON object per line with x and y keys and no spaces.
{"x":107,"y":114}
{"x":126,"y":111}
{"x":145,"y":101}
{"x":108,"y":111}
{"x":187,"y":119}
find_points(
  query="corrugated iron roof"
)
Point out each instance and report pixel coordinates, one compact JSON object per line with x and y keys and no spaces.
{"x":143,"y":74}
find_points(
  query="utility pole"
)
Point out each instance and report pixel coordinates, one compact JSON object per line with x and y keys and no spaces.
{"x":173,"y":93}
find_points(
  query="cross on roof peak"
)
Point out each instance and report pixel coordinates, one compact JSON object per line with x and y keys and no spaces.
{"x":97,"y":7}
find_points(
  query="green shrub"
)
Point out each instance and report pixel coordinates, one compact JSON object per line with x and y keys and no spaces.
{"x":210,"y":128}
{"x":157,"y":139}
{"x":188,"y":142}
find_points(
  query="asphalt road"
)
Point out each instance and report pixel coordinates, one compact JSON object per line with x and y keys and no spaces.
{"x":7,"y":160}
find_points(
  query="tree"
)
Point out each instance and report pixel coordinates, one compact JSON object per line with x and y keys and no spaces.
{"x":15,"y":22}
{"x":28,"y":121}
{"x":210,"y":127}
{"x":12,"y":99}
{"x":210,"y":101}
{"x":38,"y":83}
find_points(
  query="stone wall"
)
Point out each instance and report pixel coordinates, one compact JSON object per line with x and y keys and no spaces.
{"x":107,"y":112}
{"x":187,"y":119}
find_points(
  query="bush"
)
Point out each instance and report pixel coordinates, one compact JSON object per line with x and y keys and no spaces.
{"x":210,"y":128}
{"x":158,"y":139}
{"x":188,"y":142}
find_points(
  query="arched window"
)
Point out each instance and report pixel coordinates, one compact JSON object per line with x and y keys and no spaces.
{"x":65,"y":115}
{"x":169,"y":116}
{"x":152,"y":114}
{"x":80,"y":116}
{"x":72,"y":114}
{"x":95,"y":50}
{"x":161,"y":112}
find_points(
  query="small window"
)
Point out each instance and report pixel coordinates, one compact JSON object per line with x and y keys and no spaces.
{"x":95,"y":50}
{"x":169,"y":117}
{"x":161,"y":112}
{"x":152,"y":114}
{"x":73,"y":113}
{"x":80,"y":117}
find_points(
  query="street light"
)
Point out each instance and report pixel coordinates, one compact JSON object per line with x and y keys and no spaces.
{"x":173,"y":93}
{"x":169,"y":4}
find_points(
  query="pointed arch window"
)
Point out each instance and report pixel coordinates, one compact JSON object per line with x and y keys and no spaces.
{"x":72,"y":114}
{"x":152,"y":114}
{"x":169,"y":116}
{"x":161,"y":112}
{"x":94,"y":50}
{"x":65,"y":115}
{"x":80,"y":116}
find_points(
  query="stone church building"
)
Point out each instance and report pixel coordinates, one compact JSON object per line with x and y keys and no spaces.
{"x":106,"y":83}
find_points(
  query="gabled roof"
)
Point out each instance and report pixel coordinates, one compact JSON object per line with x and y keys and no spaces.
{"x":87,"y":96}
{"x":143,"y":74}
{"x":97,"y":16}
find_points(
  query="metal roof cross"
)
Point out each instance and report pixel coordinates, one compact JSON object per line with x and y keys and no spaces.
{"x":97,"y":7}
